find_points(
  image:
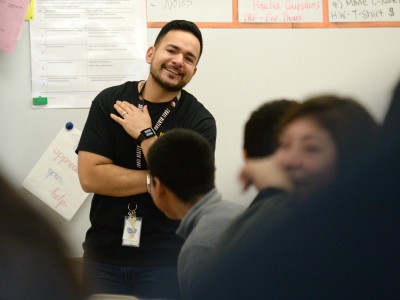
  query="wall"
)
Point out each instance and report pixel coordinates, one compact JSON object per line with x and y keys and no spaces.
{"x":239,"y":70}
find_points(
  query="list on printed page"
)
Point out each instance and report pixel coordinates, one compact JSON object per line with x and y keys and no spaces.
{"x":78,"y":48}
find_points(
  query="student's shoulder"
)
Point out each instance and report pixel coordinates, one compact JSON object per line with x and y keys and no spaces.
{"x":224,"y":210}
{"x":232,"y":207}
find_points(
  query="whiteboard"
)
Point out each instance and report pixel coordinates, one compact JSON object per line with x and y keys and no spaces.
{"x":239,"y":70}
{"x":276,"y":13}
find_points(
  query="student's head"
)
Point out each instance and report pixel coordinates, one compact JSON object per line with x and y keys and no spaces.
{"x":176,"y":52}
{"x":181,"y":165}
{"x":319,"y":139}
{"x":260,"y":132}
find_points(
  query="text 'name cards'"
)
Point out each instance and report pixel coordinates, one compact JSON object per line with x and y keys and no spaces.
{"x":54,"y":178}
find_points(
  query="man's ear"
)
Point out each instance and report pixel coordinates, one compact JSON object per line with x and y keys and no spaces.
{"x":150,"y":54}
{"x":158,"y":187}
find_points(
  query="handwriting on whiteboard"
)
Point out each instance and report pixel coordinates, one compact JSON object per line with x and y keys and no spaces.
{"x":280,"y":11}
{"x":192,"y":10}
{"x":364,"y":10}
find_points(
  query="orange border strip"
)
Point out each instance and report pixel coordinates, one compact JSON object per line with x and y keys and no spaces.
{"x":325,"y":24}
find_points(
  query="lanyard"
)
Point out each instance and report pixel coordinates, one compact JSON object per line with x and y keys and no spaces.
{"x":160,"y":121}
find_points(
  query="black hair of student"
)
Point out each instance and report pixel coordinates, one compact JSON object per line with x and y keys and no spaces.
{"x":183,"y":160}
{"x":260,"y":131}
{"x":350,"y":125}
{"x":183,"y":25}
{"x":33,"y":259}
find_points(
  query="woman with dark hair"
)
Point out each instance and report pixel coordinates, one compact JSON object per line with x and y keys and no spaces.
{"x":319,"y":140}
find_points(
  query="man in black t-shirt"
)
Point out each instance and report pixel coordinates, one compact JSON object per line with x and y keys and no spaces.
{"x":131,"y":247}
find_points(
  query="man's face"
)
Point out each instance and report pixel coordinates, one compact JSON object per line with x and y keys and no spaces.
{"x":173,"y":60}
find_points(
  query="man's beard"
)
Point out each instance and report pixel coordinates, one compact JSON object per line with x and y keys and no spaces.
{"x":168,"y":87}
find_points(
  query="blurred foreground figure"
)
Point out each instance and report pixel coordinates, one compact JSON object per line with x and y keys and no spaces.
{"x":342,"y":244}
{"x":33,"y":264}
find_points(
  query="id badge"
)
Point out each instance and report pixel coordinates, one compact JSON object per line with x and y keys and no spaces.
{"x":132,"y":231}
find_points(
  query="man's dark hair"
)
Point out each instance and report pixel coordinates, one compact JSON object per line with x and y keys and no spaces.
{"x":183,"y":160}
{"x":260,"y":132}
{"x":183,"y":25}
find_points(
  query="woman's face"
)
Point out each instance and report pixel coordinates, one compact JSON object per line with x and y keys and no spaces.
{"x":308,"y":153}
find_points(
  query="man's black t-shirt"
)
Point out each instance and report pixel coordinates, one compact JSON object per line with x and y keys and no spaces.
{"x":159,"y":245}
